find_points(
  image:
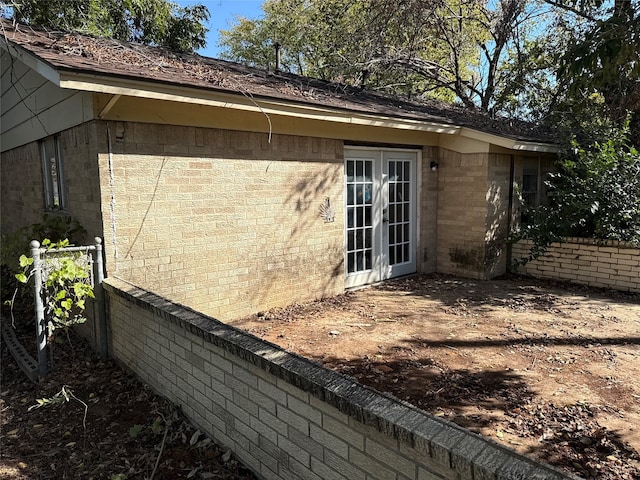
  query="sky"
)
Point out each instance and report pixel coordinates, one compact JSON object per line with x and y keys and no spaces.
{"x":222,"y":13}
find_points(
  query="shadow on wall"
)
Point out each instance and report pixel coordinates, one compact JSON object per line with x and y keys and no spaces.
{"x":497,"y":229}
{"x":312,"y":252}
{"x":487,"y":258}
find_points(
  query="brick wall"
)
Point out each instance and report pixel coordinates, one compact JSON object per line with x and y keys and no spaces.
{"x":286,"y":417}
{"x":462,"y":213}
{"x":598,"y":264}
{"x":23,"y":188}
{"x":497,"y":218}
{"x":427,"y":212}
{"x":223,"y":221}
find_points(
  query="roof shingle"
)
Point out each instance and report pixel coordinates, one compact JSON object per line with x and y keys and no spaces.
{"x":82,"y":53}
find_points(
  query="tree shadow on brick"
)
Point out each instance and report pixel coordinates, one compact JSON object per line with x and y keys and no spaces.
{"x":299,"y":224}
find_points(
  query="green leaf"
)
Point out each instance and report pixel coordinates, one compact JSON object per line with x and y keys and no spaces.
{"x":157,"y":426}
{"x":25,"y":261}
{"x":134,"y":432}
{"x":21,"y":277}
{"x":61,"y":294}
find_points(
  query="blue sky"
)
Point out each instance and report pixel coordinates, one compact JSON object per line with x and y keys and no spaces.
{"x":222,"y":13}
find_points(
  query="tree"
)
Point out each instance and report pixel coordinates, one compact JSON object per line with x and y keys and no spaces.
{"x":152,"y":22}
{"x":604,"y":58}
{"x":581,"y":74}
{"x":449,"y":49}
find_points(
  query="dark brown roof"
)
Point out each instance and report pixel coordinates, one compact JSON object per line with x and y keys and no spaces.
{"x":81,"y":53}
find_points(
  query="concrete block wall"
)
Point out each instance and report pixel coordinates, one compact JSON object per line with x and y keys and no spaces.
{"x":462,"y":213}
{"x":227,"y":222}
{"x":609,"y":264}
{"x":286,"y":417}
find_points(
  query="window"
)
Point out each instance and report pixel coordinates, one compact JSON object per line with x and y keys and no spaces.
{"x":530,"y":182}
{"x":532,"y":187}
{"x":52,"y":174}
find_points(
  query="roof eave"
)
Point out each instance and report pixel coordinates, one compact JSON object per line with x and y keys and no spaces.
{"x":263,"y":104}
{"x":72,"y":79}
{"x":517,"y":144}
{"x":30,"y":60}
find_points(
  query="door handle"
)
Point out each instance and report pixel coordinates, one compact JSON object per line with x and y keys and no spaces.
{"x":385,"y":216}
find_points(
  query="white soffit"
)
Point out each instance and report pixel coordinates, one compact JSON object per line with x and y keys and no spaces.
{"x":168,"y":92}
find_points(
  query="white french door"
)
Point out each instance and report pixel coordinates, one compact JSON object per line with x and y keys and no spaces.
{"x":381,"y":214}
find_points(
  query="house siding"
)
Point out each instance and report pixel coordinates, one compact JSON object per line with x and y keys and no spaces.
{"x":33,"y":107}
{"x":226,"y":222}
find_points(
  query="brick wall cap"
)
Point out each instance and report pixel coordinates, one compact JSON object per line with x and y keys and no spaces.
{"x":388,"y":414}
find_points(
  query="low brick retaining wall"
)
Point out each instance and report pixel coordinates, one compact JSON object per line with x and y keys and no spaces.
{"x":286,"y":417}
{"x":608,"y":264}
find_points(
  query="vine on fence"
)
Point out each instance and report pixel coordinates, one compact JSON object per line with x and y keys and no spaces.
{"x":66,"y":285}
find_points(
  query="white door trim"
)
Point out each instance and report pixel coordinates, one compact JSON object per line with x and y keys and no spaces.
{"x":374,"y":264}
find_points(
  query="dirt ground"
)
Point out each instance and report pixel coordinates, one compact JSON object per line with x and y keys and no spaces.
{"x":550,"y":370}
{"x":128,"y":432}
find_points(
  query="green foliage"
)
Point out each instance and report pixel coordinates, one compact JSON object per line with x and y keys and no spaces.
{"x":54,"y":227}
{"x":580,"y":74}
{"x":65,"y":395}
{"x":414,"y":48}
{"x":152,"y":22}
{"x":595,"y":194}
{"x":66,"y":287}
{"x":157,"y":428}
{"x":14,"y":248}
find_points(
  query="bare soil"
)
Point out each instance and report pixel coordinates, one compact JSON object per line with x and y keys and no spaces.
{"x":128,"y":432}
{"x":548,"y":369}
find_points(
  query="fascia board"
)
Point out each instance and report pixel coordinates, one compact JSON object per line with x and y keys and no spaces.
{"x":509,"y":143}
{"x":32,"y":61}
{"x":177,"y":93}
{"x":536,"y":147}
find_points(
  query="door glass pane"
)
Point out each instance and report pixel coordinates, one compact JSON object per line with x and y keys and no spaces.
{"x":359,"y":189}
{"x":399,"y":211}
{"x":350,"y":172}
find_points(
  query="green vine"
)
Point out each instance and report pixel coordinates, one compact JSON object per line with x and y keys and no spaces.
{"x":66,"y":288}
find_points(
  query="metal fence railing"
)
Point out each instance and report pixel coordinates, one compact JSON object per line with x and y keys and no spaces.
{"x":45,"y":260}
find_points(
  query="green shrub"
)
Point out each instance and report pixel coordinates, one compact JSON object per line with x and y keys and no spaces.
{"x":594,"y":194}
{"x":12,"y":246}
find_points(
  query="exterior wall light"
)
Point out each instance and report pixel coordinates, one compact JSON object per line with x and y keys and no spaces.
{"x":434,"y":165}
